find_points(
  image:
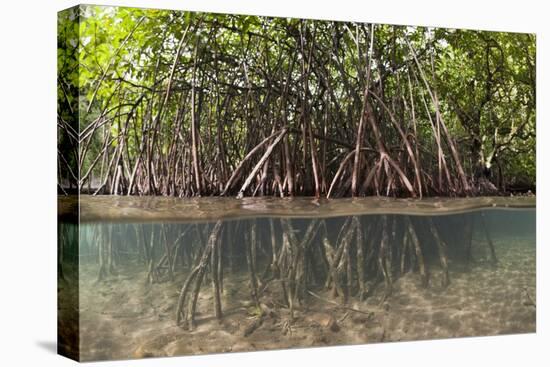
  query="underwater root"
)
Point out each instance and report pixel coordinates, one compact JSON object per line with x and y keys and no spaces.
{"x":186,"y":312}
{"x":288,"y":261}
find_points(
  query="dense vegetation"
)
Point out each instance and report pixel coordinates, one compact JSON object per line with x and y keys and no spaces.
{"x":158,"y":102}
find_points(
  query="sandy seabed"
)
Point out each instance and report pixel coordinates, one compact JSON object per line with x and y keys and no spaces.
{"x":126,"y":317}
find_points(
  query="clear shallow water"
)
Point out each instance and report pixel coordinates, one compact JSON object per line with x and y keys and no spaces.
{"x":176,"y":288}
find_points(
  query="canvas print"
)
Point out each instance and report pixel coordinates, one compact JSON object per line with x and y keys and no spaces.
{"x":233,"y":183}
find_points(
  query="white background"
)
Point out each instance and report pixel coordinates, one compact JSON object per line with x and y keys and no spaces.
{"x":28,"y":187}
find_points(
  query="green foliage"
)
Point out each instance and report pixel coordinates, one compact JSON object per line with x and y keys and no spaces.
{"x":118,"y":69}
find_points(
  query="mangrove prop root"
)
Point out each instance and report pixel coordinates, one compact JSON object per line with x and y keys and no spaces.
{"x":194,"y":298}
{"x":418,"y":252}
{"x":151,"y":274}
{"x":349,"y":275}
{"x":333,"y":275}
{"x":254,"y":325}
{"x":250,"y":239}
{"x":338,"y":305}
{"x":105,"y":248}
{"x":220,"y":263}
{"x":283,"y":259}
{"x":383,"y":256}
{"x":167,"y":254}
{"x":214,"y":268}
{"x":488,"y":238}
{"x":403,"y":254}
{"x":442,"y":251}
{"x":296,"y":274}
{"x":274,"y":267}
{"x":343,"y":260}
{"x":196,"y":275}
{"x":360,"y":259}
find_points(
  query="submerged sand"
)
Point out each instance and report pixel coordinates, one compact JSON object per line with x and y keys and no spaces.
{"x":126,"y":317}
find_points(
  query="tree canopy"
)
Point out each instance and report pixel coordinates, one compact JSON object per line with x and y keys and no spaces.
{"x":161,"y":102}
